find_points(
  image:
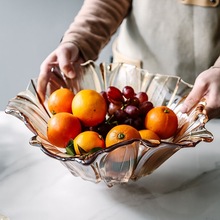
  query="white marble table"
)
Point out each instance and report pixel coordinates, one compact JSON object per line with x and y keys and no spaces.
{"x":34,"y":186}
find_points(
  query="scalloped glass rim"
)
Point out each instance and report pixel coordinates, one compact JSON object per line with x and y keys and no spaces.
{"x":140,"y":157}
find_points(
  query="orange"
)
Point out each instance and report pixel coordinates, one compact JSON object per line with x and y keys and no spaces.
{"x":60,"y":101}
{"x":121,"y":133}
{"x":118,"y":134}
{"x":149,"y":135}
{"x":163,"y":121}
{"x":90,"y":107}
{"x":88,"y":140}
{"x":61,"y":128}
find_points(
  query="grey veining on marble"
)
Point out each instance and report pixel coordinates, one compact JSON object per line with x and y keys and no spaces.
{"x":34,"y":186}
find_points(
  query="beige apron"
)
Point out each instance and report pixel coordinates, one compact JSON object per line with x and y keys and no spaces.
{"x":169,"y":37}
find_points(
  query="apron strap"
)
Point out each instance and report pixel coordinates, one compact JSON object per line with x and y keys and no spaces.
{"x":204,"y":3}
{"x":121,"y":58}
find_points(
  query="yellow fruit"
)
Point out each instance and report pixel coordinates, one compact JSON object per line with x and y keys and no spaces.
{"x":163,"y":121}
{"x":88,"y":140}
{"x":149,"y":135}
{"x":90,"y":107}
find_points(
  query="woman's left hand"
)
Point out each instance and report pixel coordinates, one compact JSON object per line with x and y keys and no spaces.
{"x":207,"y":85}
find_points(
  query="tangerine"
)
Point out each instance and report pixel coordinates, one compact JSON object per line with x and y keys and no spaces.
{"x":61,"y":128}
{"x":60,"y":101}
{"x":149,"y":135}
{"x":90,"y":107}
{"x":118,"y":134}
{"x":163,"y":121}
{"x":86,"y":141}
{"x":121,"y":133}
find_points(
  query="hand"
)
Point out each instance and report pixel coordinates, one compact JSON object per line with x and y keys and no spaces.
{"x":207,"y":85}
{"x":65,"y":57}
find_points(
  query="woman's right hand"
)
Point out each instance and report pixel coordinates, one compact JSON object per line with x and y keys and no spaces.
{"x":65,"y":56}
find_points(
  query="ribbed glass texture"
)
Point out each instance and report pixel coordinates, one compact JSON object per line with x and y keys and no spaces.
{"x":140,"y":157}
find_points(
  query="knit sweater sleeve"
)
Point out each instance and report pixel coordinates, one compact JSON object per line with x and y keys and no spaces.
{"x":94,"y":25}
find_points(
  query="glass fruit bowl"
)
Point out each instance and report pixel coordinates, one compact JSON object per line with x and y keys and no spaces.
{"x":138,"y":158}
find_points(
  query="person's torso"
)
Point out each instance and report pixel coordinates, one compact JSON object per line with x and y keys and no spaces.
{"x":170,"y":37}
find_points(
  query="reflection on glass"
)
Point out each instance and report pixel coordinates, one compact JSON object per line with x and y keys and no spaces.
{"x":140,"y":157}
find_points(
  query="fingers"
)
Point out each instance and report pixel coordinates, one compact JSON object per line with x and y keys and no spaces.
{"x":67,"y":56}
{"x":213,"y":102}
{"x":210,"y":91}
{"x":207,"y":85}
{"x":64,"y":57}
{"x":66,"y":66}
{"x":43,"y":79}
{"x":197,"y":93}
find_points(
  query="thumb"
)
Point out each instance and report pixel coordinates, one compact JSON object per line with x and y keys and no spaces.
{"x":196,"y":94}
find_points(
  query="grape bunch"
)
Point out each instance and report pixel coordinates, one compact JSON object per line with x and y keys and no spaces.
{"x":125,"y":107}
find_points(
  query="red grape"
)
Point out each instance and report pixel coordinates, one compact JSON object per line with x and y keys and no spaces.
{"x":113,"y":107}
{"x":145,"y":107}
{"x":142,"y":96}
{"x":132,"y":111}
{"x":120,"y":115}
{"x":104,"y":128}
{"x":125,"y":106}
{"x":129,"y":121}
{"x":128,"y":92}
{"x":104,"y":95}
{"x":138,"y":123}
{"x":133,"y":101}
{"x":114,"y":95}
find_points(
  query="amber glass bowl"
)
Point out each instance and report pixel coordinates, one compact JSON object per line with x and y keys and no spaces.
{"x":140,"y":157}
